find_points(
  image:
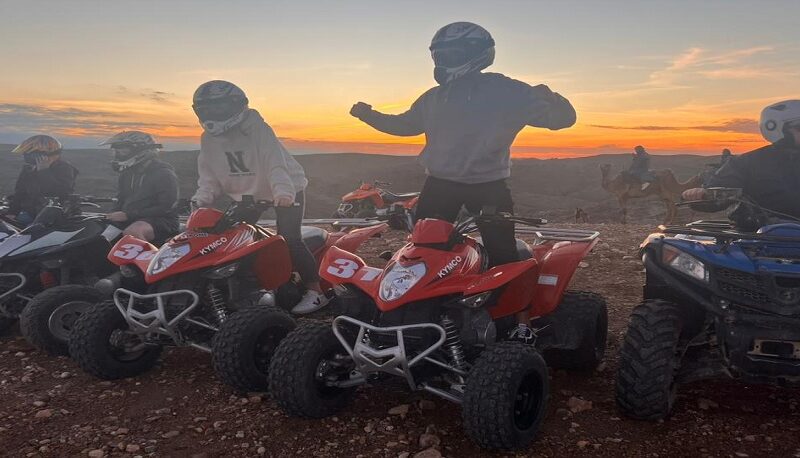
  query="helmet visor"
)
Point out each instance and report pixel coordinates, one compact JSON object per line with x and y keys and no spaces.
{"x":449,"y":57}
{"x":122,"y":152}
{"x":218,"y":110}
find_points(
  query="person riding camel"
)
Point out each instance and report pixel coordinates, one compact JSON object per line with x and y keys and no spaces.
{"x":44,"y":174}
{"x":470,"y":121}
{"x":768,"y":175}
{"x":726,"y":156}
{"x":241,"y":155}
{"x":640,"y":167}
{"x":147,"y":188}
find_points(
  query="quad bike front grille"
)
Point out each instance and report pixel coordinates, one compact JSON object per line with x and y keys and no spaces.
{"x":779,"y":294}
{"x":736,"y":276}
{"x":749,"y":295}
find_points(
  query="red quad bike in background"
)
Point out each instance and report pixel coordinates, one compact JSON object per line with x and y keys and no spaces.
{"x":438,"y":317}
{"x":373,"y":199}
{"x":213,"y":287}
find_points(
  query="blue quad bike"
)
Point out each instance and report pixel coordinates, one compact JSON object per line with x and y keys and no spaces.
{"x":48,"y":268}
{"x":718,"y":302}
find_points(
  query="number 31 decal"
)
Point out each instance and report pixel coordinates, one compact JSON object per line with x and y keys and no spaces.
{"x":346,"y":268}
{"x":131,"y":251}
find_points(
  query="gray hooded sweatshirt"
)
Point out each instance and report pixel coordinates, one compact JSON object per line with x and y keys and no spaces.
{"x":247,"y":160}
{"x":471,"y":122}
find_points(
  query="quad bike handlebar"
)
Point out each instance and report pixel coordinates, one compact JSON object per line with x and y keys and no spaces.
{"x":247,"y":210}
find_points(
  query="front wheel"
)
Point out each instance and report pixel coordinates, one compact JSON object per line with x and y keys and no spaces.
{"x":304,"y":369}
{"x":47,"y":321}
{"x":245,"y":344}
{"x":102,"y":345}
{"x":506,"y":396}
{"x":650,"y":358}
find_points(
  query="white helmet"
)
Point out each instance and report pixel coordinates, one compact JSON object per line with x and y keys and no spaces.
{"x":460,"y":48}
{"x":219,"y":105}
{"x":775,"y":118}
{"x":131,"y":147}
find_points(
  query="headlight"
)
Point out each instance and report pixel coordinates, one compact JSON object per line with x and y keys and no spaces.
{"x":400,"y":279}
{"x":223,"y":272}
{"x":167,"y":256}
{"x":684,"y":263}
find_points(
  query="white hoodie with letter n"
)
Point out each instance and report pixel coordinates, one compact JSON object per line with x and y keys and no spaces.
{"x":246,"y":160}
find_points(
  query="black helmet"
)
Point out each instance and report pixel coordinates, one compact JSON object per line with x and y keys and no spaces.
{"x":219,"y":105}
{"x":639,"y":149}
{"x":460,"y":48}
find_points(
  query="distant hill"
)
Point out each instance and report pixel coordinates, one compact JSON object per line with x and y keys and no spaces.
{"x":552,"y":188}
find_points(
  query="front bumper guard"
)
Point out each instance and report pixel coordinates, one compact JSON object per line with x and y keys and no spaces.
{"x":391,"y":360}
{"x":6,"y":294}
{"x":154,"y":321}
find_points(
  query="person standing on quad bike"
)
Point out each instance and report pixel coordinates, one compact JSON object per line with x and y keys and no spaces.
{"x":45,"y":174}
{"x":767,"y":175}
{"x":147,"y":187}
{"x":470,"y":121}
{"x":240,"y":155}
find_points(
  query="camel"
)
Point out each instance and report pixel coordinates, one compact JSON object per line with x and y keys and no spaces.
{"x":666,"y":187}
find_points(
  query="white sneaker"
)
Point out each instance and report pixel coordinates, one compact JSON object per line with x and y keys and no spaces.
{"x":645,"y":186}
{"x":310,"y":303}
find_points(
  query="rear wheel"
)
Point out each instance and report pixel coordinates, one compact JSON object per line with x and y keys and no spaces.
{"x":650,"y":358}
{"x":103,"y":346}
{"x":47,"y":320}
{"x":245,"y":344}
{"x":588,"y":311}
{"x":305,"y":364}
{"x":506,"y":396}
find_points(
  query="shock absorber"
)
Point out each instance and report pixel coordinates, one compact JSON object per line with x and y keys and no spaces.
{"x":452,"y":343}
{"x":217,"y":303}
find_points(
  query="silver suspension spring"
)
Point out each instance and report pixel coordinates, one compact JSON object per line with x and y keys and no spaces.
{"x":452,"y":343}
{"x":217,"y":303}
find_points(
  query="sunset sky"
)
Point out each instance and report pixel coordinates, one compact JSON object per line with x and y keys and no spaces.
{"x":675,"y":76}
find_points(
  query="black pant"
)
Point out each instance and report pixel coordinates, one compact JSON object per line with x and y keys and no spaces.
{"x":442,"y":199}
{"x":289,"y":220}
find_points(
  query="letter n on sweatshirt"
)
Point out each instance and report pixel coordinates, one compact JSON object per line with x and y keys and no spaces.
{"x":236,"y":163}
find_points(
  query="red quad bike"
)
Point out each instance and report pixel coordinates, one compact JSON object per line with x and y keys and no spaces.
{"x":373,"y":199}
{"x":437,"y":317}
{"x":211,"y":288}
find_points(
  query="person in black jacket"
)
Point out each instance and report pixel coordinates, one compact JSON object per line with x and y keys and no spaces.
{"x":769,"y":175}
{"x":148,"y":188}
{"x":45,"y":174}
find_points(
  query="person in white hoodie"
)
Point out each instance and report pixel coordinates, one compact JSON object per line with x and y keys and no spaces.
{"x":240,"y":155}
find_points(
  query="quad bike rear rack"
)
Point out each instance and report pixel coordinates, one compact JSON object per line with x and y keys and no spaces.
{"x":393,"y":360}
{"x":22,"y":282}
{"x":559,"y":235}
{"x":156,"y":321}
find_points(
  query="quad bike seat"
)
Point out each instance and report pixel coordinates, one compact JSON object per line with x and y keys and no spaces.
{"x":523,"y":250}
{"x":313,"y":237}
{"x":391,"y":197}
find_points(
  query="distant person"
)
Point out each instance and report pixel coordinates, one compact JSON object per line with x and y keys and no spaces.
{"x":147,"y":187}
{"x":726,"y":156}
{"x":470,"y":121}
{"x":768,"y":175}
{"x":240,"y":155}
{"x":640,"y":167}
{"x":712,"y":168}
{"x":44,"y":174}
